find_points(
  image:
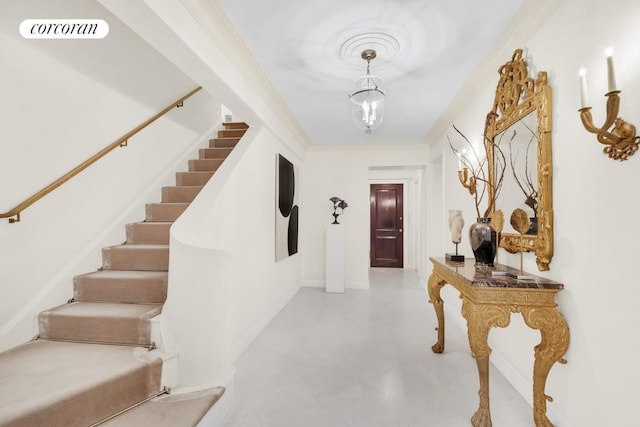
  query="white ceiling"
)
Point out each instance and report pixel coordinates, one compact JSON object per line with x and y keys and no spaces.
{"x":427,"y":49}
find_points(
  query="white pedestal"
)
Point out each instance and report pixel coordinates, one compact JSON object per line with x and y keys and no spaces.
{"x":335,"y":259}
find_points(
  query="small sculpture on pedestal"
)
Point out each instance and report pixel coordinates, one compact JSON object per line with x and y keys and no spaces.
{"x":338,"y":203}
{"x":456,"y":222}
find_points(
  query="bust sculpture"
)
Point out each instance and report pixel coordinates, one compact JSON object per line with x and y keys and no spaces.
{"x":456,"y":222}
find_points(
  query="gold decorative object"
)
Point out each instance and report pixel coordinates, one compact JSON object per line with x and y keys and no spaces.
{"x":497,"y":222}
{"x":620,"y":141}
{"x":485,"y":306}
{"x":518,"y":95}
{"x":520,"y":221}
{"x":468,"y":182}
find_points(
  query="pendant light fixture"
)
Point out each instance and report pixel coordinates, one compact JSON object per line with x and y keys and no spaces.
{"x":367,"y":98}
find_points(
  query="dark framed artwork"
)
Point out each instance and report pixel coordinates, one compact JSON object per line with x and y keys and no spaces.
{"x":286,"y":208}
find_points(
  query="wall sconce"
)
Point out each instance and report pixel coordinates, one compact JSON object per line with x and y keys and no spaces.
{"x":338,"y":203}
{"x":621,"y":141}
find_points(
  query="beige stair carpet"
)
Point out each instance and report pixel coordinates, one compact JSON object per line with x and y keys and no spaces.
{"x":48,"y":383}
{"x":169,"y":410}
{"x":64,"y":378}
{"x":128,"y":286}
{"x":99,"y":322}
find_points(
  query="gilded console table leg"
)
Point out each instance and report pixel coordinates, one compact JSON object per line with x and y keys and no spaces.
{"x":553,"y":345}
{"x":434,"y":285}
{"x":480,"y":319}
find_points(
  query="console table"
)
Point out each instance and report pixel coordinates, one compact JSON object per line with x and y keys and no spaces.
{"x":487,"y":302}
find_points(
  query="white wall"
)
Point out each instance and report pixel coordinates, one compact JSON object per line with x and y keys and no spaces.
{"x":59,"y":112}
{"x":223,"y":271}
{"x":346,"y":173}
{"x":595,"y":246}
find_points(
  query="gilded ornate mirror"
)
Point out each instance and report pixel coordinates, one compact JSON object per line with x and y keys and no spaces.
{"x":520,"y":123}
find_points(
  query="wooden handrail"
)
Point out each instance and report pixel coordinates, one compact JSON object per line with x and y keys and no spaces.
{"x":14,"y":214}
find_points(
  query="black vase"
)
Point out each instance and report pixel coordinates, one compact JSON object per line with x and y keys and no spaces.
{"x":483,"y":242}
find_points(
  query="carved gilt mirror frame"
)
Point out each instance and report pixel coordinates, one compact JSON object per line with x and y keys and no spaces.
{"x":518,"y":95}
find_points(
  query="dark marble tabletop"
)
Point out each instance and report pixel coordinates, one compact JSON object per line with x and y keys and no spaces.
{"x":484,"y":276}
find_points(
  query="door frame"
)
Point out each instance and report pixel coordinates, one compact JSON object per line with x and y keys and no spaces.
{"x":413,"y":177}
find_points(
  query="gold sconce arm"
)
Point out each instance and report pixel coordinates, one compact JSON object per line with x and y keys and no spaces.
{"x":467,"y":182}
{"x":621,"y":141}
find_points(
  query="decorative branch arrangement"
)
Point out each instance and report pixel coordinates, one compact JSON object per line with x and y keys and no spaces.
{"x":473,"y":172}
{"x":526,"y":182}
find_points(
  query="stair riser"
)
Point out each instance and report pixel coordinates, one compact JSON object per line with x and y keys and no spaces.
{"x":214,"y":153}
{"x":223,"y":142}
{"x":164,"y":211}
{"x":129,"y":258}
{"x":179,"y":194}
{"x":204,"y":165}
{"x":119,"y":290}
{"x":231,"y":133}
{"x":148,"y":232}
{"x":138,"y":287}
{"x":193,"y":178}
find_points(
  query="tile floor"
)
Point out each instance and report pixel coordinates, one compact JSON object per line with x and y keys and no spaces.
{"x":363,"y":358}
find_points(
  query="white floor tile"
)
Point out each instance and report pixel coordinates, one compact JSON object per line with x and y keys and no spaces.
{"x":363,"y":358}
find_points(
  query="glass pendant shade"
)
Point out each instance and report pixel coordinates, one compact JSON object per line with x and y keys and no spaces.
{"x":367,"y":99}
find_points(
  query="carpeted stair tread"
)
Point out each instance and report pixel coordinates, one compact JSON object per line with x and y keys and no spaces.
{"x":180,"y":193}
{"x":161,"y":212}
{"x":193,"y":178}
{"x":48,"y":383}
{"x":172,"y":410}
{"x":130,"y":286}
{"x":214,"y":153}
{"x":149,"y":232}
{"x":231,"y":133}
{"x":136,"y":257}
{"x":235,"y":125}
{"x":99,"y":322}
{"x":204,"y":164}
{"x":223,"y":142}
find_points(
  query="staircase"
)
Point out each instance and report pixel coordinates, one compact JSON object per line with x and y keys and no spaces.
{"x":88,"y":362}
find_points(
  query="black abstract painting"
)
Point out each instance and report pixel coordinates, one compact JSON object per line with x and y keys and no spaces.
{"x":286,"y":209}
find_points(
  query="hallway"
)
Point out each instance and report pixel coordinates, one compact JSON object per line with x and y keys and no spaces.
{"x":363,"y":359}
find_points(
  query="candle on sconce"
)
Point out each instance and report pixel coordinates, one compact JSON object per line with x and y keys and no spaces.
{"x":611,"y":75}
{"x":459,"y":163}
{"x":584,"y":97}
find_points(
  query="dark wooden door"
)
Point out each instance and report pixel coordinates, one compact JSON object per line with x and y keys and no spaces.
{"x":386,"y":225}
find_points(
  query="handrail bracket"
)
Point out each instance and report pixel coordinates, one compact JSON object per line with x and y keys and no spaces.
{"x":15,"y":219}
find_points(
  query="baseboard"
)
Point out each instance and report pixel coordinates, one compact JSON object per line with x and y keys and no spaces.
{"x":242,"y":342}
{"x":349,"y":284}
